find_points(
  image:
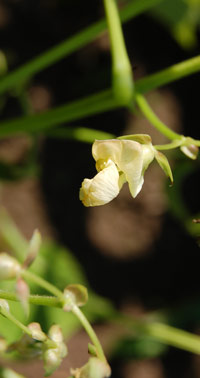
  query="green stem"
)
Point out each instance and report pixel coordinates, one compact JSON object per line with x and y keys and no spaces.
{"x":90,"y":105}
{"x":175,"y":337}
{"x":154,"y":120}
{"x":70,"y":45}
{"x":168,"y":146}
{"x":93,"y":337}
{"x":168,"y":75}
{"x":9,"y":316}
{"x":96,"y":103}
{"x":121,"y":67}
{"x":40,"y":300}
{"x":162,"y":332}
{"x":43,"y":283}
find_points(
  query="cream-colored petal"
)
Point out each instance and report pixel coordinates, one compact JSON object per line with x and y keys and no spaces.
{"x":103,"y":188}
{"x":131,"y":164}
{"x":135,"y":159}
{"x":107,"y":149}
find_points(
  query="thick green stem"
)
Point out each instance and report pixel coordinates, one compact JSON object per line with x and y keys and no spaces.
{"x":168,"y":75}
{"x":72,"y":44}
{"x":96,"y":103}
{"x":175,"y":337}
{"x":90,"y":105}
{"x":154,"y":120}
{"x":122,"y":80}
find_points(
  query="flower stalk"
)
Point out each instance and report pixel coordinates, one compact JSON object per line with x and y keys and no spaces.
{"x":122,"y":80}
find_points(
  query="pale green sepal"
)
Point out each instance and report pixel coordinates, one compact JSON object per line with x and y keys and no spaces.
{"x":164,"y":164}
{"x":140,"y":138}
{"x":75,"y":294}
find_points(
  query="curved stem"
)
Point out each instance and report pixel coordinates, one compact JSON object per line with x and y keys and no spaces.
{"x":153,"y":119}
{"x":168,"y":146}
{"x":93,"y":337}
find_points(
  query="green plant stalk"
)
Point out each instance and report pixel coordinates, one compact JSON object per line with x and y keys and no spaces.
{"x":40,"y":300}
{"x":175,"y":337}
{"x":168,"y":146}
{"x":93,"y":337}
{"x":168,"y":75}
{"x":90,"y":105}
{"x":10,"y":317}
{"x":67,"y":47}
{"x":122,"y":81}
{"x":154,"y":120}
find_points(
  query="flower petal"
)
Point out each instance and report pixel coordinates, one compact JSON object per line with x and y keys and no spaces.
{"x":131,"y":158}
{"x":131,"y":164}
{"x":103,"y":188}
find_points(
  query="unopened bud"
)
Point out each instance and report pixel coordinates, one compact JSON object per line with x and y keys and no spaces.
{"x":36,"y":332}
{"x":55,"y":333}
{"x":33,"y":249}
{"x":190,"y":151}
{"x":53,"y":356}
{"x":9,"y":267}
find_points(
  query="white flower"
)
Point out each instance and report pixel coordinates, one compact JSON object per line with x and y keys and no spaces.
{"x":117,"y":161}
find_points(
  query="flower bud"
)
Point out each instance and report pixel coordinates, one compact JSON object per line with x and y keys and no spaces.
{"x":190,"y":151}
{"x":53,"y":355}
{"x":36,"y":332}
{"x":9,"y":267}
